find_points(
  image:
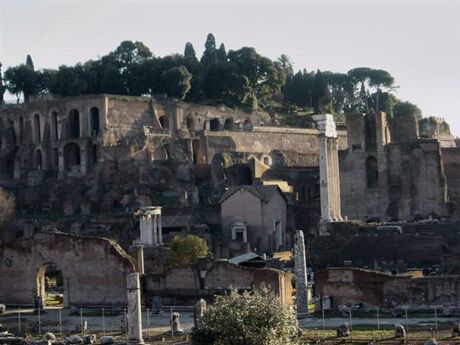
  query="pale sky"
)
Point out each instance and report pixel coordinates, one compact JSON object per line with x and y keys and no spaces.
{"x":418,"y":42}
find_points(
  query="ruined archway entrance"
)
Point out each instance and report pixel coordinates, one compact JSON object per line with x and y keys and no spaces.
{"x":50,"y":285}
{"x":74,"y":124}
{"x":71,"y":156}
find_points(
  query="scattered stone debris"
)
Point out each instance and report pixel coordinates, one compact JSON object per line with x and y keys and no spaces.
{"x":455,"y":329}
{"x":74,"y":339}
{"x":400,"y":331}
{"x":343,"y":330}
{"x":89,"y":339}
{"x":48,"y":336}
{"x":106,"y":340}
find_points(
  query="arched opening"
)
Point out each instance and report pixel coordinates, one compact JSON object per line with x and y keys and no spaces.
{"x":94,"y":154}
{"x":266,"y":160}
{"x":214,"y":125}
{"x":21,"y":130}
{"x":241,"y":175}
{"x":190,"y":123}
{"x":164,"y":122}
{"x":71,"y":156}
{"x":372,"y":172}
{"x":95,"y":126}
{"x":38,"y":159}
{"x":74,"y":124}
{"x":50,"y":285}
{"x":54,"y":117}
{"x":197,"y":152}
{"x":247,"y":125}
{"x":228,"y":124}
{"x":38,"y":138}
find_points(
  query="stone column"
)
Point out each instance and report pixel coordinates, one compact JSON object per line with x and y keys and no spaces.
{"x":145,"y":224}
{"x":83,"y":161}
{"x":155,"y":229}
{"x":328,"y":169}
{"x":300,"y":272}
{"x":140,"y":258}
{"x":61,"y":164}
{"x":134,"y":310}
{"x":160,"y":230}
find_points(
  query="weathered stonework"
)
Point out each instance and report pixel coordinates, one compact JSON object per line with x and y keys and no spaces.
{"x":300,"y":273}
{"x":94,"y":269}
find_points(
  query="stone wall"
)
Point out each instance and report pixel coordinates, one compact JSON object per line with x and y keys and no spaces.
{"x":451,"y":160}
{"x":371,"y":289}
{"x":186,"y":285}
{"x":93,"y":269}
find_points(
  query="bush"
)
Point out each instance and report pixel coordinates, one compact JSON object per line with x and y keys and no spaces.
{"x":252,"y":318}
{"x":186,"y":250}
{"x":7,"y":209}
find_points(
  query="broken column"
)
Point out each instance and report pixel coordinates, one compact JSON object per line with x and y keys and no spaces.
{"x":328,"y":169}
{"x":300,"y":272}
{"x":140,"y":258}
{"x":150,"y":226}
{"x":134,"y":315}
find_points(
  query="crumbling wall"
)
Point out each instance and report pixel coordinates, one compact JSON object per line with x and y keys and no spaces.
{"x":451,"y":160}
{"x":94,"y":269}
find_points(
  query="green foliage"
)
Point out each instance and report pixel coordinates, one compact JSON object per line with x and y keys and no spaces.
{"x":177,"y":81}
{"x":21,"y":80}
{"x":7,"y":209}
{"x":402,"y":109}
{"x":189,"y":51}
{"x":240,"y":77}
{"x":252,"y":318}
{"x":186,"y":250}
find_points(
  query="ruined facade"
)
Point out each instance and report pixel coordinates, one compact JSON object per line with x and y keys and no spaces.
{"x":392,"y":172}
{"x":186,"y":285}
{"x":376,"y":289}
{"x":93,"y":269}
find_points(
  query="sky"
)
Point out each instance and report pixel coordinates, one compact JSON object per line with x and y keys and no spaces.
{"x":418,"y":42}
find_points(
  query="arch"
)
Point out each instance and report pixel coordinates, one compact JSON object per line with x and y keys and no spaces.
{"x":74,"y":124}
{"x":190,"y":123}
{"x":214,"y":124}
{"x":71,"y":156}
{"x":21,"y":129}
{"x":267,"y":160}
{"x":247,"y":125}
{"x":94,"y":118}
{"x":54,"y":119}
{"x":37,"y":134}
{"x":94,"y":153}
{"x":228,"y":124}
{"x":198,"y":154}
{"x":38,"y":159}
{"x":372,"y":172}
{"x":164,"y":121}
{"x":50,"y":285}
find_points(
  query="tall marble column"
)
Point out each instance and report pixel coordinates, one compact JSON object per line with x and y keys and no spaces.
{"x":160,"y":230}
{"x":300,"y":272}
{"x":155,"y":229}
{"x":328,"y":169}
{"x":140,"y":258}
{"x":145,"y":223}
{"x":134,"y":315}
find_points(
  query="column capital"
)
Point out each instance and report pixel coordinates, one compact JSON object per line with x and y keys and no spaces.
{"x":326,"y":125}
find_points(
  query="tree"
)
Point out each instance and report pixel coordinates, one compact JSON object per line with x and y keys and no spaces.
{"x":286,"y":64}
{"x":21,"y":80}
{"x":189,"y":51}
{"x":402,"y":109}
{"x":221,"y":53}
{"x":210,"y":54}
{"x":29,"y":62}
{"x":252,"y":318}
{"x":177,"y":81}
{"x":7,"y":209}
{"x":186,"y":250}
{"x":69,"y":81}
